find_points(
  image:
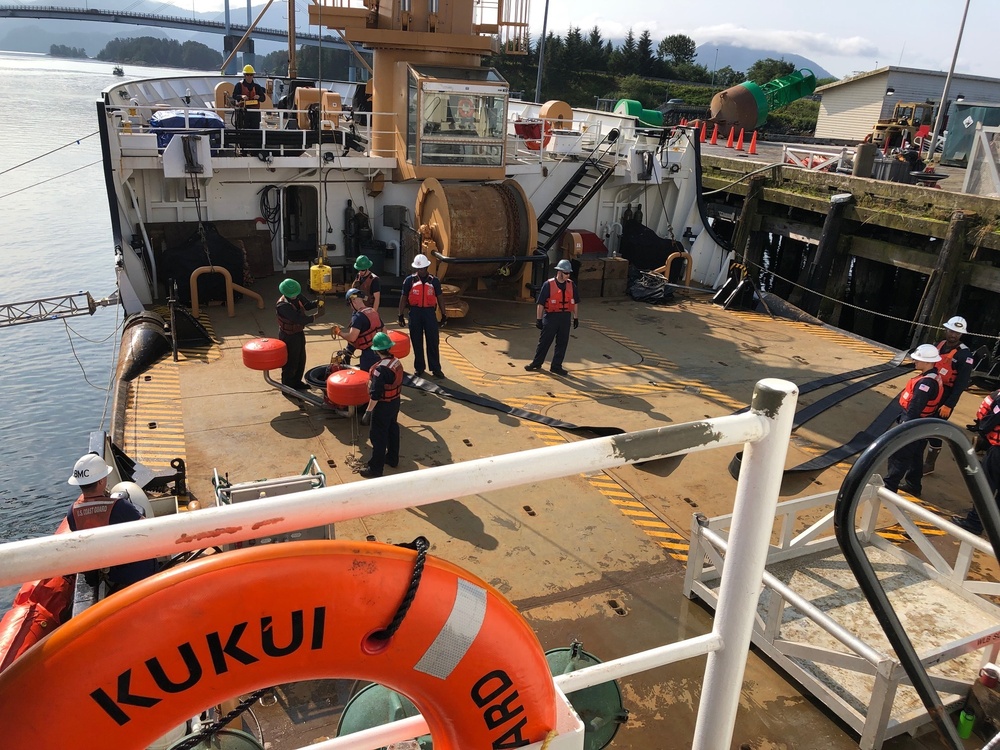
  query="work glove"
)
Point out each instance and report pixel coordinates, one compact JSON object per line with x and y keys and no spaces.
{"x":366,"y":418}
{"x":576,"y":323}
{"x":944,"y":412}
{"x":335,"y":331}
{"x":401,"y":320}
{"x":443,"y":323}
{"x":974,"y":427}
{"x":538,"y":324}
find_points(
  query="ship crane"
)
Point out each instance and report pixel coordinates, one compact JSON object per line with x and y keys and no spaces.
{"x":52,"y":308}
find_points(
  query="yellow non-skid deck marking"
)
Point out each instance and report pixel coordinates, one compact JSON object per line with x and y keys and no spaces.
{"x":897,"y":535}
{"x":205,"y":354}
{"x":154,"y":423}
{"x":822,"y":332}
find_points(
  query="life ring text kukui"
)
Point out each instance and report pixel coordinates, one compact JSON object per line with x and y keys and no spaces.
{"x":141,"y":662}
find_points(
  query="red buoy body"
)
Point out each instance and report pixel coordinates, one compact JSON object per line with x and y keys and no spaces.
{"x":400,"y":343}
{"x":265,"y":354}
{"x":347,"y":387}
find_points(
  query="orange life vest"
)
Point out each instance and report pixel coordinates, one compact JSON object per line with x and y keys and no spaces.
{"x":364,"y":339}
{"x":422,"y":293}
{"x":92,"y":512}
{"x":250,"y":92}
{"x":392,"y":389}
{"x":990,"y":407}
{"x":947,"y":364}
{"x":365,"y":285}
{"x":286,"y":326}
{"x":932,"y":404}
{"x":560,"y":300}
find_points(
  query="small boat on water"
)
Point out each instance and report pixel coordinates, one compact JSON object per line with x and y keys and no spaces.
{"x":118,"y":70}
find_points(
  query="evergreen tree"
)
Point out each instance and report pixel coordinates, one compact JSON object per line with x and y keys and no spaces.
{"x":625,"y":59}
{"x":597,"y":55}
{"x":644,"y":54}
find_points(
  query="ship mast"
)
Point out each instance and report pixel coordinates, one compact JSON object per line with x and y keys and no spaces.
{"x":293,"y":71}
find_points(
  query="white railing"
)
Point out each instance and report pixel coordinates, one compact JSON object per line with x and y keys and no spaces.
{"x":817,"y":159}
{"x":764,"y":433}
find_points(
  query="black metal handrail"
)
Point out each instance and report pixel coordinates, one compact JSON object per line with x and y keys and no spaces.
{"x":845,"y":512}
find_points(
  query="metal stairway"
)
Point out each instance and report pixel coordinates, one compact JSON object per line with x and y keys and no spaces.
{"x":569,"y":202}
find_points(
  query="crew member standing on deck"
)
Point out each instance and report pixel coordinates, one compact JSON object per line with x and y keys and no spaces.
{"x":365,"y":325}
{"x":385,"y":381}
{"x":248,"y":97}
{"x":987,"y":424}
{"x":557,"y":308}
{"x":294,"y":312}
{"x":920,"y":398}
{"x":95,"y":508}
{"x":367,"y":282}
{"x":422,"y":294}
{"x":956,"y":373}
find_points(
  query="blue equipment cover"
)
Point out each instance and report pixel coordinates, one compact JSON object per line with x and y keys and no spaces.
{"x":170,"y":121}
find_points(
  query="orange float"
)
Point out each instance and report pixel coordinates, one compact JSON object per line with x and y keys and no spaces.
{"x":265,"y":354}
{"x":400,"y":343}
{"x":347,"y":386}
{"x":536,"y":133}
{"x":140,"y":662}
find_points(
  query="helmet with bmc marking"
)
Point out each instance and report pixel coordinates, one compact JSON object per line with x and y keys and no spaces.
{"x":352,"y":293}
{"x":564,"y":265}
{"x":90,"y":469}
{"x":926,"y":353}
{"x":248,"y":69}
{"x":290,"y":288}
{"x":381,"y":342}
{"x":362,"y":263}
{"x":420,"y":261}
{"x":957,"y":324}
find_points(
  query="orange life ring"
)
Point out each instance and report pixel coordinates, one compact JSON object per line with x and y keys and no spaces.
{"x":535,"y":144}
{"x":140,"y":662}
{"x":466,"y":109}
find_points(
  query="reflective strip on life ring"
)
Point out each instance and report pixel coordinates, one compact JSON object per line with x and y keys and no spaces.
{"x":144,"y":660}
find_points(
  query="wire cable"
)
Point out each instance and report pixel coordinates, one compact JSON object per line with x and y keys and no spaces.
{"x":50,"y":179}
{"x":47,"y":153}
{"x":77,"y":358}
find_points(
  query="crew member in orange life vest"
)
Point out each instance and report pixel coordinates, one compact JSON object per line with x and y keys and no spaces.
{"x":385,"y":380}
{"x":294,"y":313}
{"x":956,"y":374}
{"x":557,"y":308}
{"x":95,"y":508}
{"x":248,"y":97}
{"x":987,"y":424}
{"x":422,"y":294}
{"x":919,"y":399}
{"x":365,"y":323}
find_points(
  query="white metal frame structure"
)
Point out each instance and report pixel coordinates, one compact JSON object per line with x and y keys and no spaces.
{"x":982,"y":175}
{"x":880,"y":507}
{"x":763,"y":432}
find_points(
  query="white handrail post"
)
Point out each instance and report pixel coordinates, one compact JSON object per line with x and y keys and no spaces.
{"x":753,"y":519}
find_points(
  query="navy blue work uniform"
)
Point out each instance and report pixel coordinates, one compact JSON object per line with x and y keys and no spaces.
{"x":292,"y":320}
{"x":361,"y":321}
{"x":123,"y":511}
{"x":385,"y":381}
{"x":919,"y":399}
{"x":421,"y":294}
{"x":559,"y":303}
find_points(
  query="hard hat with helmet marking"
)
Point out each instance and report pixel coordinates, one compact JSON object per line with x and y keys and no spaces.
{"x":381,"y":342}
{"x":90,"y":469}
{"x":362,"y":263}
{"x":290,"y":288}
{"x":564,"y":265}
{"x":421,"y":261}
{"x":957,"y":324}
{"x":249,"y":69}
{"x":926,"y":353}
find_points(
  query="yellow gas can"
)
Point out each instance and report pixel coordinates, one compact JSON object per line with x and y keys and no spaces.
{"x":321,"y":277}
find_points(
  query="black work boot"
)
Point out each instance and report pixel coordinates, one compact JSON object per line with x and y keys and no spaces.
{"x":930,"y":459}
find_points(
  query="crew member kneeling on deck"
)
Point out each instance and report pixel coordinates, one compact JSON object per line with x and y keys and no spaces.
{"x":95,"y":508}
{"x":385,"y":380}
{"x":294,"y":312}
{"x":557,"y":308}
{"x":364,"y":326}
{"x":248,"y":97}
{"x":919,"y":399}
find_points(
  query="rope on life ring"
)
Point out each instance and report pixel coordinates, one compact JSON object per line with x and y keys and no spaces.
{"x":466,"y":109}
{"x":140,"y":662}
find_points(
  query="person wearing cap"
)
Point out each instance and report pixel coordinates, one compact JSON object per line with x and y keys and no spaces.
{"x":956,"y":373}
{"x":294,"y":313}
{"x":367,"y":282}
{"x":987,"y":427}
{"x":920,"y":398}
{"x":557,"y":308}
{"x":95,"y":508}
{"x":422,"y":295}
{"x":248,"y":97}
{"x":385,"y":381}
{"x":364,"y":326}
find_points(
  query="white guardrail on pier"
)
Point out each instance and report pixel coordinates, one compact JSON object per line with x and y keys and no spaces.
{"x":764,"y":432}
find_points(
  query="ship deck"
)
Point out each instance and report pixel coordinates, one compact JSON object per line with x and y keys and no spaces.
{"x":597,"y":557}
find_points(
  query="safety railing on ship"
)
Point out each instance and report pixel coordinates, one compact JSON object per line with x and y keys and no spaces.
{"x":763,"y":431}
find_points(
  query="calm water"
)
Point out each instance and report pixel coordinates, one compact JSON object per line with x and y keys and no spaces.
{"x":56,"y":240}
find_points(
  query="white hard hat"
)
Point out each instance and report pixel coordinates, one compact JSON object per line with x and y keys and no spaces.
{"x":957,"y":324}
{"x":420,"y":261}
{"x":88,"y":470}
{"x":926,"y":353}
{"x":135,"y":496}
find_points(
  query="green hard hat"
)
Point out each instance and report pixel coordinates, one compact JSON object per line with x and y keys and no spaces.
{"x":381,"y":342}
{"x":290,"y":288}
{"x":362,"y":263}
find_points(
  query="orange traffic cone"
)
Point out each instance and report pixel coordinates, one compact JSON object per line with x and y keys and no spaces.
{"x":704,"y":132}
{"x":684,"y":121}
{"x":732,"y":134}
{"x":715,"y":134}
{"x":739,"y":141}
{"x":753,"y":144}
